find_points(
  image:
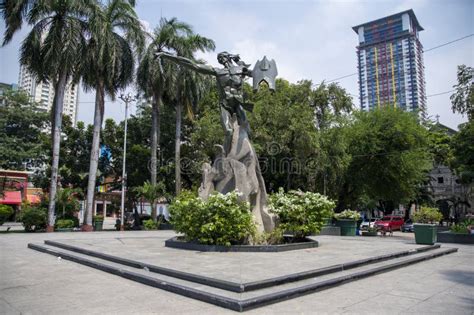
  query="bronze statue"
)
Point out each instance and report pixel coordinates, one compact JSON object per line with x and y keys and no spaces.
{"x":237,"y":167}
{"x":230,"y":80}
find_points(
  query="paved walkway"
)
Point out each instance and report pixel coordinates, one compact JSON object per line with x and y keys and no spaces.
{"x":36,"y":283}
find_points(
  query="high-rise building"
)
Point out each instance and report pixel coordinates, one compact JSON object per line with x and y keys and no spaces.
{"x":390,"y":63}
{"x":43,"y":93}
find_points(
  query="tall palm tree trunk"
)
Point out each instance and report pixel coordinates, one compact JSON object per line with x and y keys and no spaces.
{"x":94,"y":160}
{"x":177,"y":156}
{"x":58,"y":111}
{"x":155,"y":135}
{"x":155,"y":144}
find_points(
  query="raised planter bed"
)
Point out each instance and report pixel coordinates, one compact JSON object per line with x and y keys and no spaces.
{"x":449,"y":237}
{"x":176,"y":242}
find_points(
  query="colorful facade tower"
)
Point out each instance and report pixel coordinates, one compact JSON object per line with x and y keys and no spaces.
{"x":390,"y":63}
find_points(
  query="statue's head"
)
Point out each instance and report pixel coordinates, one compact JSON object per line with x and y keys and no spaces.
{"x":224,"y":58}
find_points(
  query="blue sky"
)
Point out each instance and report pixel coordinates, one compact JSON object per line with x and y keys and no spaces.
{"x":308,"y":39}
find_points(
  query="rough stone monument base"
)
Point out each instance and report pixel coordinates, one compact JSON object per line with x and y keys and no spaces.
{"x":239,"y":170}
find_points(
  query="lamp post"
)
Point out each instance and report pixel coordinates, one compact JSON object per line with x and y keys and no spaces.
{"x":126,"y":99}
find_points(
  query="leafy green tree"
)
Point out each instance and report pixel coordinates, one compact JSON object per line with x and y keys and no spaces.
{"x":329,"y":101}
{"x":439,"y":141}
{"x":75,"y":152}
{"x":332,"y":108}
{"x":390,"y":157}
{"x":284,"y":135}
{"x":463,"y":152}
{"x":21,"y":132}
{"x":463,"y":98}
{"x":115,"y":31}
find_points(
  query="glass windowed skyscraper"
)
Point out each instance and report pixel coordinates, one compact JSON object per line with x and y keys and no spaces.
{"x":390,"y":63}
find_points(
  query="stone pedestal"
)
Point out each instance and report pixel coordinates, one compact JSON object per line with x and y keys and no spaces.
{"x":238,"y":169}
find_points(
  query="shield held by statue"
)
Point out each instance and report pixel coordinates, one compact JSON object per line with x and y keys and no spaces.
{"x":264,"y":70}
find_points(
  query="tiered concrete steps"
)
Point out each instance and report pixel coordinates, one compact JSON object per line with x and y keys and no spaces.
{"x":241,"y":296}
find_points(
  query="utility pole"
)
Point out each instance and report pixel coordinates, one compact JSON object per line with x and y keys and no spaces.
{"x":126,"y":99}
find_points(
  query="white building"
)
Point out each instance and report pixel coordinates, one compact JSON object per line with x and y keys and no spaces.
{"x":43,"y":93}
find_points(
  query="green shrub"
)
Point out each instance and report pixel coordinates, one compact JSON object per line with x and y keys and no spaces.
{"x":462,"y":228}
{"x":34,"y":218}
{"x":5,"y":213}
{"x":149,"y":225}
{"x":221,"y":220}
{"x":301,"y":213}
{"x":65,"y":224}
{"x":348,"y":215}
{"x":427,"y":215}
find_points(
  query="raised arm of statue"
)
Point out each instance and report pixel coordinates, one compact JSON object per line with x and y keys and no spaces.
{"x":185,"y":62}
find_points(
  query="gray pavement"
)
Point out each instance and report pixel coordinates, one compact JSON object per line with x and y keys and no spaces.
{"x":36,"y":283}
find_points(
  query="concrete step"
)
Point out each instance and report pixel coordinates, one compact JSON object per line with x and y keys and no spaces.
{"x":241,"y":287}
{"x":262,"y":293}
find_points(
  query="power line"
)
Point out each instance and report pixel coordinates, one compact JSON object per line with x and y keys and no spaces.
{"x":343,"y":77}
{"x":448,"y":43}
{"x":441,"y":93}
{"x":430,"y":49}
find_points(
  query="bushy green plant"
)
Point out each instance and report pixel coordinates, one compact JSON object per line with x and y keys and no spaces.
{"x":462,"y":228}
{"x":348,"y":215}
{"x":64,"y":224}
{"x":221,"y":220}
{"x":300,"y":213}
{"x":427,"y":215}
{"x":33,"y":218}
{"x":150,"y":225}
{"x":5,"y":213}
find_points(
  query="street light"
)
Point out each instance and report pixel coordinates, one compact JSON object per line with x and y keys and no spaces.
{"x":126,"y":99}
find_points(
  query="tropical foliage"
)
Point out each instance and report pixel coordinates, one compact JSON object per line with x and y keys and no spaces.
{"x":115,"y":31}
{"x":347,"y":215}
{"x":300,"y":213}
{"x":463,"y":98}
{"x":33,"y":218}
{"x":5,"y":213}
{"x":427,"y":215}
{"x":221,"y":220}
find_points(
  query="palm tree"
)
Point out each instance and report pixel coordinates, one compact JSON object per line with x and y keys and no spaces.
{"x":13,"y":13}
{"x":115,"y":31}
{"x":152,"y":193}
{"x":153,"y":82}
{"x":67,"y":196}
{"x":52,"y":52}
{"x":190,"y":86}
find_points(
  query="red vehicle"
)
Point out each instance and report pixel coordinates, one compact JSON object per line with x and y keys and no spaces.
{"x":389,"y":223}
